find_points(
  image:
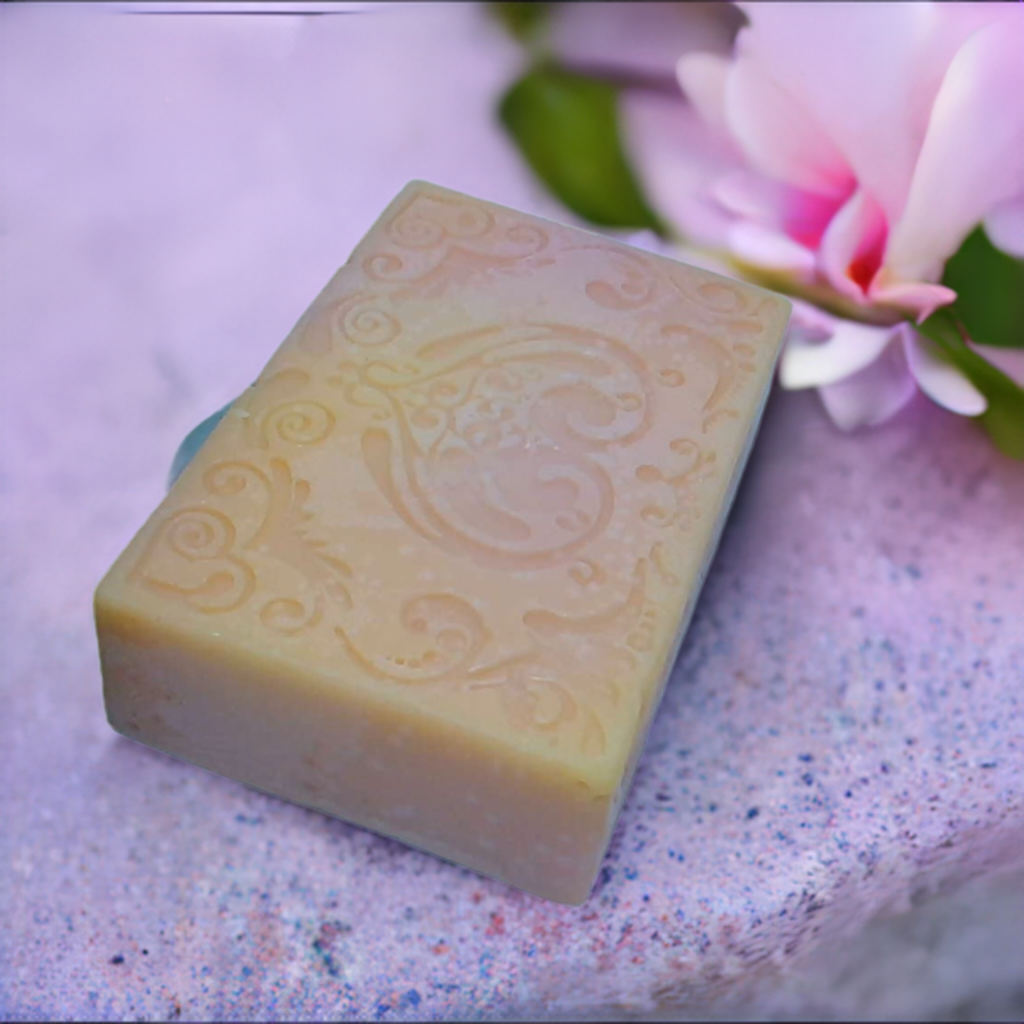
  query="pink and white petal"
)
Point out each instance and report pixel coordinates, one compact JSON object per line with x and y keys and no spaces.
{"x":951,"y":25}
{"x":803,"y":216}
{"x":777,"y":133}
{"x":678,"y":158}
{"x":872,"y":396}
{"x":942,"y":382}
{"x":1009,"y":360}
{"x":750,"y":196}
{"x":851,"y":248}
{"x":800,"y":214}
{"x":806,"y":215}
{"x":912,"y":296}
{"x":1005,"y":227}
{"x":812,"y":322}
{"x":761,"y":246}
{"x":972,"y":159}
{"x":702,"y":78}
{"x":809,"y":363}
{"x":856,"y":68}
{"x":967,"y":18}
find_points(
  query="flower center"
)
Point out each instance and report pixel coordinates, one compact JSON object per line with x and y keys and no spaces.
{"x":868,"y":259}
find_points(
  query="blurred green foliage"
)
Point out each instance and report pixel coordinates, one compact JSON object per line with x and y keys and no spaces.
{"x":566,"y":125}
{"x":989,"y":309}
{"x":1004,"y":417}
{"x":989,"y":285}
{"x":524,"y":21}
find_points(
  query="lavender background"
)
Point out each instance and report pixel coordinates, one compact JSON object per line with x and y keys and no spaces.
{"x":828,"y":819}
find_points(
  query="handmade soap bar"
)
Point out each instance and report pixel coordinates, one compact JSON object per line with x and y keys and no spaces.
{"x":430,"y":573}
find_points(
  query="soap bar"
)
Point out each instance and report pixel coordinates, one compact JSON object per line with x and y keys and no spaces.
{"x":429,"y":574}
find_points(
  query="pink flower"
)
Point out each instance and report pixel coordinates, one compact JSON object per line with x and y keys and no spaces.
{"x":871,"y":139}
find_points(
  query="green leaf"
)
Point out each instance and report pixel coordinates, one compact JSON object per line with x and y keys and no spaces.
{"x":522,"y":20}
{"x":990,"y":292}
{"x":1004,"y":417}
{"x":567,"y":127}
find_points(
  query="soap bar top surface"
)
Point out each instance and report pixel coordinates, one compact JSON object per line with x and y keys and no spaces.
{"x":477,"y":481}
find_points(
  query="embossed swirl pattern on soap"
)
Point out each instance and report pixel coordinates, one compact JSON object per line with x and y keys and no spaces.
{"x":483,"y":444}
{"x":439,"y":244}
{"x":492,"y":445}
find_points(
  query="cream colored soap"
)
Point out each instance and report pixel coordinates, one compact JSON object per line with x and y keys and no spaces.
{"x":430,"y":573}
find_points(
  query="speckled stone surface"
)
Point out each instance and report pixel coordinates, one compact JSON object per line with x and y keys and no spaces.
{"x":844,"y":732}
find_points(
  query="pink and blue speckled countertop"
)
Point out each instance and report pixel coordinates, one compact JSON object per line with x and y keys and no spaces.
{"x":843,"y":737}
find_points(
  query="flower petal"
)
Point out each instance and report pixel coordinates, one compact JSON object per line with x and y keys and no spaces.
{"x":809,"y":363}
{"x":678,"y":157}
{"x":972,"y":159}
{"x":851,"y":248}
{"x":920,"y":299}
{"x":702,"y":77}
{"x":803,"y":216}
{"x":750,"y":195}
{"x":777,"y":133}
{"x":942,"y":382}
{"x":1005,"y":227}
{"x":872,"y":396}
{"x":857,"y":70}
{"x":763,"y":247}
